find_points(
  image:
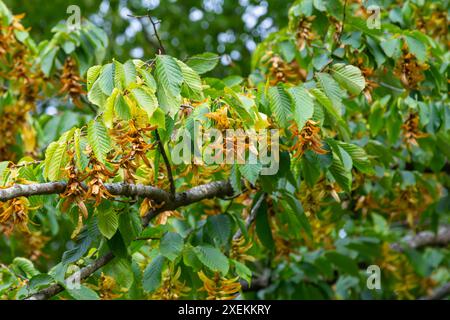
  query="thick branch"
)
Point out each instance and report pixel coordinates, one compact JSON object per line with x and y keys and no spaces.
{"x":83,"y":274}
{"x":118,"y":189}
{"x":424,"y":239}
{"x":206,"y":191}
{"x":439,"y":293}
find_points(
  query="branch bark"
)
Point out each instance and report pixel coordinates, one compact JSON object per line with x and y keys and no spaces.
{"x":196,"y":194}
{"x":439,"y":293}
{"x":118,"y":189}
{"x":424,"y":239}
{"x":84,"y":273}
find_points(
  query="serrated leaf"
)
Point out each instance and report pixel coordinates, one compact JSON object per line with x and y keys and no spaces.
{"x":84,"y":241}
{"x":203,"y":63}
{"x":330,"y":87}
{"x":192,"y":81}
{"x":359,"y":156}
{"x":82,"y":293}
{"x":235,"y":179}
{"x":108,"y":220}
{"x":98,"y":139}
{"x":146,"y":100}
{"x":92,"y":75}
{"x":121,"y":108}
{"x":108,"y":111}
{"x":219,"y":228}
{"x":250,"y":171}
{"x":326,"y":102}
{"x":212,"y":258}
{"x":119,"y":75}
{"x":349,"y":77}
{"x":303,"y":106}
{"x":129,"y":73}
{"x":96,"y":95}
{"x":280,"y":105}
{"x":106,"y":79}
{"x":152,"y":274}
{"x":243,"y":271}
{"x":263,"y":229}
{"x":342,"y":176}
{"x":25,"y":266}
{"x":56,"y":155}
{"x":171,"y":245}
{"x":168,"y":74}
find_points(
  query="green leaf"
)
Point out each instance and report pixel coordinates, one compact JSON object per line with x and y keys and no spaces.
{"x":121,"y":108}
{"x":152,"y":274}
{"x":213,"y":259}
{"x":235,"y":179}
{"x":219,"y":228}
{"x":92,"y":75}
{"x":326,"y":102}
{"x":343,"y":263}
{"x":342,"y":176}
{"x":119,"y":75}
{"x":192,"y":82}
{"x":56,"y":156}
{"x":106,"y":79}
{"x":3,"y":171}
{"x":171,"y":245}
{"x":47,"y":60}
{"x":359,"y":157}
{"x":263,"y":229}
{"x":168,"y":74}
{"x":330,"y":87}
{"x":391,"y":47}
{"x":98,"y":139}
{"x":349,"y":77}
{"x":109,"y":108}
{"x":82,"y":293}
{"x":96,"y":95}
{"x":146,"y":100}
{"x":243,"y":271}
{"x":203,"y":63}
{"x":121,"y":271}
{"x":417,"y":48}
{"x":280,"y":105}
{"x":25,"y":266}
{"x":129,"y":73}
{"x":190,"y":258}
{"x":303,"y":105}
{"x":108,"y":220}
{"x":250,"y":171}
{"x":84,"y":241}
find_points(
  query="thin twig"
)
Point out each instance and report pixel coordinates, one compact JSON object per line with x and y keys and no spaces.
{"x":343,"y":23}
{"x":251,"y":217}
{"x":166,"y":161}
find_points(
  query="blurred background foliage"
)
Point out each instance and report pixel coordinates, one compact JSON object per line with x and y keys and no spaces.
{"x":231,"y":28}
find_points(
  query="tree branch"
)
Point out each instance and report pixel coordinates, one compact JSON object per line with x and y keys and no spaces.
{"x":196,"y":194}
{"x":424,"y":239}
{"x":439,"y":293}
{"x":251,"y":217}
{"x":206,"y":191}
{"x":84,"y":273}
{"x":118,"y":189}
